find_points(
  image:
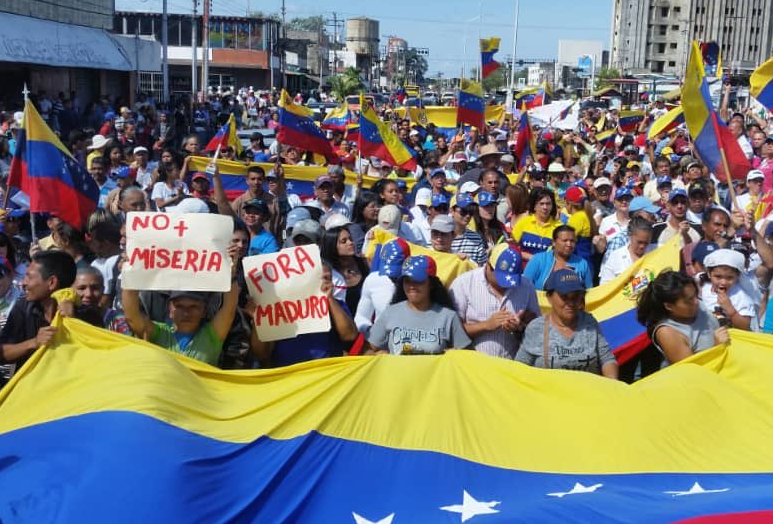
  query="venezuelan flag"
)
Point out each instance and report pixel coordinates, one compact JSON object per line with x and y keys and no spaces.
{"x":46,"y":171}
{"x":565,"y":112}
{"x":488,"y":46}
{"x":630,"y":120}
{"x":444,"y":118}
{"x":226,"y":136}
{"x":353,"y":132}
{"x":525,"y":142}
{"x":449,"y":265}
{"x":297,"y":128}
{"x":761,"y":83}
{"x":534,"y":96}
{"x":614,"y":304}
{"x":376,"y":139}
{"x":338,"y":119}
{"x":607,"y":138}
{"x":472,"y":107}
{"x":712,"y":139}
{"x":668,"y":122}
{"x":124,"y":432}
{"x":298,"y":179}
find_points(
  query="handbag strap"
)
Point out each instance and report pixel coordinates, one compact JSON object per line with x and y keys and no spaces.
{"x":546,"y":344}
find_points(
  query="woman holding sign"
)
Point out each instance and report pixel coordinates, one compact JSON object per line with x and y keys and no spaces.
{"x":189,"y":333}
{"x":422,"y":319}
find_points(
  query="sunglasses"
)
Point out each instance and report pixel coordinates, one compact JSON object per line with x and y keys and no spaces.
{"x":464,"y":212}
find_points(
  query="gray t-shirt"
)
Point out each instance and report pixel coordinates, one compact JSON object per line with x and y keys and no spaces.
{"x":585,"y":350}
{"x":700,"y":333}
{"x":405,"y":331}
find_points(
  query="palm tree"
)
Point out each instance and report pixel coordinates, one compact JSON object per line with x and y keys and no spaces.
{"x":345,"y":84}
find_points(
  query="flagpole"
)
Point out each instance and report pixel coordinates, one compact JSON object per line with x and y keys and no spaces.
{"x":509,"y":100}
{"x":33,"y":230}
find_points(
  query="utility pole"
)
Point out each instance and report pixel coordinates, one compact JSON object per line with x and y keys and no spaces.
{"x":283,"y":40}
{"x":270,"y":53}
{"x":335,"y":23}
{"x":205,"y":49}
{"x":194,"y":68}
{"x":164,"y":57}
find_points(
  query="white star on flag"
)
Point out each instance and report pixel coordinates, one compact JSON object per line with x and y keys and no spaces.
{"x":290,"y":186}
{"x":696,"y":489}
{"x":472,"y":508}
{"x":577,"y":489}
{"x":362,"y":520}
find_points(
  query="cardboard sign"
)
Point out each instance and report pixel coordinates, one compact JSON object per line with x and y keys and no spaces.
{"x":286,"y":289}
{"x":187,"y":252}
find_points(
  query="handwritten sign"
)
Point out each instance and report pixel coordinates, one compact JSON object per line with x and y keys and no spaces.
{"x":286,"y":289}
{"x":177,"y":252}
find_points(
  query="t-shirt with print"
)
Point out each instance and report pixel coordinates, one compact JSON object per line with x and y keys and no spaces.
{"x":585,"y":350}
{"x":533,"y":237}
{"x":203,"y":345}
{"x":405,"y":331}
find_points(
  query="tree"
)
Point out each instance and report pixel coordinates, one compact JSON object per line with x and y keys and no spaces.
{"x":416,"y":64}
{"x":309,"y":23}
{"x":604,"y":74}
{"x":345,"y":84}
{"x":495,"y":80}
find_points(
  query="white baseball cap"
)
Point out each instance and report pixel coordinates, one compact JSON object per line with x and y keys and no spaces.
{"x":755,"y":174}
{"x":601,"y":181}
{"x":725,"y":257}
{"x":469,"y":187}
{"x":424,"y":197}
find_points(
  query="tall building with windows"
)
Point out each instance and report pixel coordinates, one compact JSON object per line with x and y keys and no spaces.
{"x":655,"y":35}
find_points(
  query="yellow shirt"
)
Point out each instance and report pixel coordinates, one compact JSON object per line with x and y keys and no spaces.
{"x":581,"y":224}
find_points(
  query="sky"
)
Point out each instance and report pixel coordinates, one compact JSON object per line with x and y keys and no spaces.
{"x":443,"y":26}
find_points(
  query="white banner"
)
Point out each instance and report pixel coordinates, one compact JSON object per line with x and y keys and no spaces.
{"x":186,"y":252}
{"x":286,"y":289}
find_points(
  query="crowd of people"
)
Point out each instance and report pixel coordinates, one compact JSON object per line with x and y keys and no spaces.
{"x":575,"y":216}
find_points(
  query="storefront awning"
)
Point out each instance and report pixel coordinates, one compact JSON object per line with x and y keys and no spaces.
{"x":35,"y":41}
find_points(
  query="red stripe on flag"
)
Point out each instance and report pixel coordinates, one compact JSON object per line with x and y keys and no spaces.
{"x":630,"y":349}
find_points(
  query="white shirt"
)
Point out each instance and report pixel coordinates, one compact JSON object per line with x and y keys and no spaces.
{"x":106,"y":267}
{"x":618,"y":261}
{"x":377,"y":291}
{"x":610,"y":226}
{"x":420,"y":226}
{"x":746,"y":146}
{"x":738,"y":298}
{"x":162,"y":191}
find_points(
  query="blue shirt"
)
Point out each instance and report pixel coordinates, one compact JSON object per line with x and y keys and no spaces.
{"x":108,"y":186}
{"x":541,"y":265}
{"x":308,"y":346}
{"x":263,"y":243}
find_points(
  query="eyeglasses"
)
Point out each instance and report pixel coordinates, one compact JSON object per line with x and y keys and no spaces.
{"x":464,"y":212}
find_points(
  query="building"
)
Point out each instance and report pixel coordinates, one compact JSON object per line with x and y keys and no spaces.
{"x":312,"y":66}
{"x":362,"y":38}
{"x":655,"y":35}
{"x":65,"y":47}
{"x":575,"y":58}
{"x":539,"y":72}
{"x":395,"y":60}
{"x":239,"y":50}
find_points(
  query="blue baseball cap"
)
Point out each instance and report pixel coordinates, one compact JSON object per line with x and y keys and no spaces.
{"x":124,"y":172}
{"x":419,"y":268}
{"x":439,"y":199}
{"x":437,"y":171}
{"x":109,"y":115}
{"x":623,"y":192}
{"x":295,"y":215}
{"x":485,"y":198}
{"x":641,"y":203}
{"x":464,"y":200}
{"x":564,"y":281}
{"x":702,"y":250}
{"x":393,"y":254}
{"x":507,"y":265}
{"x":676,"y":193}
{"x":664,"y":180}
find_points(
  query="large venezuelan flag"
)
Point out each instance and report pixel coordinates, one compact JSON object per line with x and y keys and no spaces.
{"x":761,"y":84}
{"x":630,"y":120}
{"x":298,"y":179}
{"x":297,"y":129}
{"x":710,"y":136}
{"x":376,"y":139}
{"x":444,"y":118}
{"x":525,"y":145}
{"x":614,"y":304}
{"x":105,"y":428}
{"x":607,"y":138}
{"x":46,"y":171}
{"x":472,"y":107}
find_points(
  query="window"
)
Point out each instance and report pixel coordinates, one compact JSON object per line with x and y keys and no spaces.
{"x":664,"y":11}
{"x":677,"y":10}
{"x":185,"y":33}
{"x":663,"y":29}
{"x":671,"y":63}
{"x":672,"y":45}
{"x":661,"y":48}
{"x":675,"y":28}
{"x":657,"y":67}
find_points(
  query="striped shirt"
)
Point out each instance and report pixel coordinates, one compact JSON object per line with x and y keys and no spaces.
{"x":471,"y":244}
{"x":476,"y":302}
